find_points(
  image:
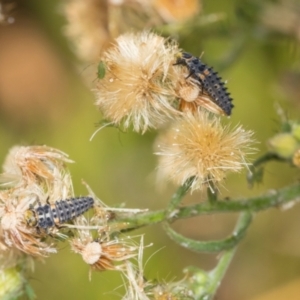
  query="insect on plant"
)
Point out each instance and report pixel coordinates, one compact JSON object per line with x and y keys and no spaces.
{"x":50,"y":215}
{"x":208,"y":79}
{"x":101,"y":70}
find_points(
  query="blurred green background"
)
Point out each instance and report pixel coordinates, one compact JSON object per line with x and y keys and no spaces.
{"x":44,"y":100}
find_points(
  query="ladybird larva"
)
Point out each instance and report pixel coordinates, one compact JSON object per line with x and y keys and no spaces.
{"x":50,"y":215}
{"x":208,"y":79}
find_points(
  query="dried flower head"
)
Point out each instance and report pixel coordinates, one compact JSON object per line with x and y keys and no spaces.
{"x":138,"y":86}
{"x":87,"y":27}
{"x":9,"y":257}
{"x":126,"y":15}
{"x":139,"y":288}
{"x":34,"y":165}
{"x":104,"y":254}
{"x":15,"y":233}
{"x":137,"y":285}
{"x":32,"y":175}
{"x":199,"y":146}
{"x":92,"y":22}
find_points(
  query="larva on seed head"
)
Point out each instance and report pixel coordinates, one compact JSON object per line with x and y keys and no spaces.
{"x":50,"y":215}
{"x":208,"y":79}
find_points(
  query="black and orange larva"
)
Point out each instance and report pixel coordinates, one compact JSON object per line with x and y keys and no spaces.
{"x":50,"y":215}
{"x":208,"y":79}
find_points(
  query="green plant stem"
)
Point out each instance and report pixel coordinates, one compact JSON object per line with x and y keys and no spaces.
{"x":255,"y":173}
{"x":213,"y":246}
{"x":266,"y":158}
{"x":274,"y":198}
{"x":179,"y":194}
{"x":217,"y":274}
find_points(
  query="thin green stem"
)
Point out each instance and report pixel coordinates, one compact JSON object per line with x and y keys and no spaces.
{"x":179,"y":194}
{"x":256,"y":171}
{"x":265,"y":158}
{"x":217,"y":274}
{"x":212,"y":246}
{"x":274,"y":198}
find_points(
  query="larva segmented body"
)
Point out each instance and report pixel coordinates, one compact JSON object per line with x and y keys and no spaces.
{"x":209,"y":80}
{"x":49,"y":215}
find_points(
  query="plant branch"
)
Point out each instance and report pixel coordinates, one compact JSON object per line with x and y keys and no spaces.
{"x":213,"y":246}
{"x":274,"y":198}
{"x":265,"y":158}
{"x":179,"y":194}
{"x":217,"y":274}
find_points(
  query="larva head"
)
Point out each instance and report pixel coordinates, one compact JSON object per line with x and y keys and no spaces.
{"x":30,"y":218}
{"x":180,"y":58}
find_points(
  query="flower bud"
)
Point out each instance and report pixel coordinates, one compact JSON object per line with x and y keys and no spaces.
{"x":11,"y":284}
{"x":283,"y":144}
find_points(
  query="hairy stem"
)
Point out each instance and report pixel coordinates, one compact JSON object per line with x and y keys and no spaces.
{"x":272,"y":199}
{"x":213,"y":246}
{"x":178,"y":195}
{"x":217,"y":274}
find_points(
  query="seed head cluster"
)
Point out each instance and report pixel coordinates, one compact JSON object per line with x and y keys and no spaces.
{"x":91,"y":24}
{"x":37,"y":175}
{"x":143,"y":87}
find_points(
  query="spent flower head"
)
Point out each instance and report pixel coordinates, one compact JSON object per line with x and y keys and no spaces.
{"x":15,"y":234}
{"x":199,"y":146}
{"x":104,"y":252}
{"x":90,"y":23}
{"x":32,"y":175}
{"x":138,"y":288}
{"x":25,"y":165}
{"x":138,"y":86}
{"x":87,"y":27}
